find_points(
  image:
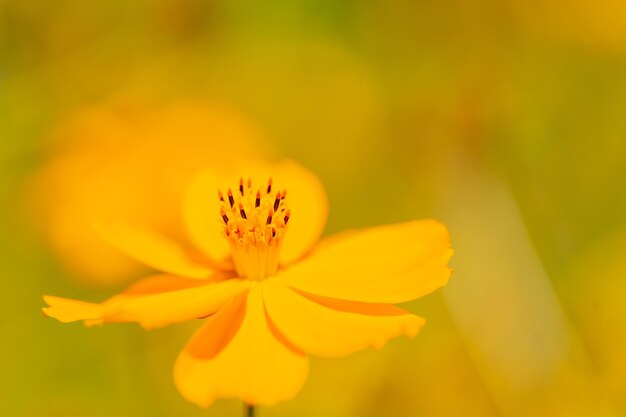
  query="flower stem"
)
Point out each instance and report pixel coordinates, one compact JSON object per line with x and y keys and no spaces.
{"x":248,"y":410}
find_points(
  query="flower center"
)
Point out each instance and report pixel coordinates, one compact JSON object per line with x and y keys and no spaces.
{"x":256,"y":220}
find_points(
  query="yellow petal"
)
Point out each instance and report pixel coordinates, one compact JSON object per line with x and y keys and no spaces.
{"x":218,"y":330}
{"x":309,"y":210}
{"x":386,"y":264}
{"x":67,"y":311}
{"x":145,"y":304}
{"x":306,"y":199}
{"x":153,"y":250}
{"x":164,"y":283}
{"x":201,"y":212}
{"x":327,"y":327}
{"x":254,"y":366}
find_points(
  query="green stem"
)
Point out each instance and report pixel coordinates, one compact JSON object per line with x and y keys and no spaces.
{"x":248,"y":410}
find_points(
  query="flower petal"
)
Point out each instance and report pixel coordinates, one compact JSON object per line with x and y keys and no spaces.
{"x":306,"y":199}
{"x":153,"y":302}
{"x":218,"y":330}
{"x":152,"y":249}
{"x":327,"y":327}
{"x":164,"y":283}
{"x":254,"y":366}
{"x":201,"y":212}
{"x":67,"y":311}
{"x":386,"y":264}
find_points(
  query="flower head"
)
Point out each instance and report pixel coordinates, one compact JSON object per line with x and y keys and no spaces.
{"x":268,"y":293}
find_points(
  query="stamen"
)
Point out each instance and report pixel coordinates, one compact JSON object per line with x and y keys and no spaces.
{"x":254,"y":226}
{"x":277,"y":201}
{"x":231,"y":199}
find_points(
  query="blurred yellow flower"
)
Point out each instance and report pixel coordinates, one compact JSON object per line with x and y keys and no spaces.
{"x":269,"y":295}
{"x":600,"y":24}
{"x":129,"y":161}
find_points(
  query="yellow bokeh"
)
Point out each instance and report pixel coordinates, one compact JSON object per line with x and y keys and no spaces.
{"x":129,"y":162}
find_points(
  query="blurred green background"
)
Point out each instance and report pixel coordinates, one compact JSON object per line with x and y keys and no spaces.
{"x":504,"y":119}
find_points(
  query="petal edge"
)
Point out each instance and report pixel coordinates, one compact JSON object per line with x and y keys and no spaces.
{"x":264,"y":375}
{"x":385,"y":264}
{"x":335,"y":328}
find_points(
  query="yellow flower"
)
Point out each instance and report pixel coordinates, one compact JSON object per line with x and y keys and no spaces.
{"x":268,"y":295}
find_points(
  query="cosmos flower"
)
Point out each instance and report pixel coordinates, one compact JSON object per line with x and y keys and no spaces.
{"x":267,"y":290}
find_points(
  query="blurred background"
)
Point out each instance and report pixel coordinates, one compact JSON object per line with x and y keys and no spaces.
{"x":504,"y":119}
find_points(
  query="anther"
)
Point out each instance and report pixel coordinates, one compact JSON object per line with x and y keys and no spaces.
{"x":231,"y":199}
{"x":282,"y":197}
{"x":220,"y":195}
{"x":269,"y":217}
{"x":287,"y":215}
{"x":242,"y":212}
{"x":277,"y":201}
{"x":241,"y":185}
{"x":249,"y":182}
{"x":257,"y":202}
{"x":269,"y":185}
{"x":225,"y":217}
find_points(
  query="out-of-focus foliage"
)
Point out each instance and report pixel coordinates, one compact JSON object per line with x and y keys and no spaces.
{"x":503,"y":119}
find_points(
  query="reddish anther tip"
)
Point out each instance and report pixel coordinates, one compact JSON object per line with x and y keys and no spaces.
{"x":224,"y":216}
{"x":241,"y":185}
{"x":231,"y":199}
{"x":277,"y":201}
{"x":242,"y":212}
